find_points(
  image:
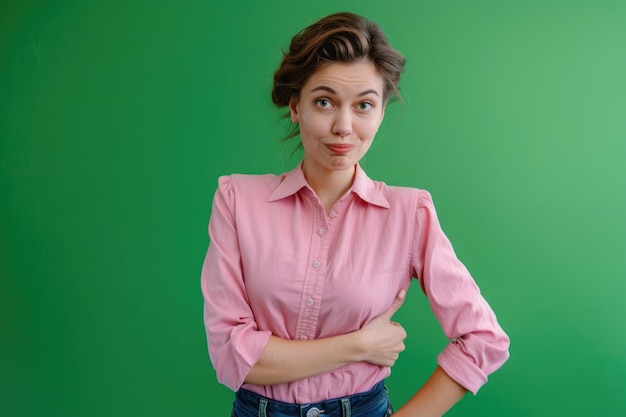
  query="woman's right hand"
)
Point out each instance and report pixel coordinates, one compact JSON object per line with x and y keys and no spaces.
{"x":381,"y":340}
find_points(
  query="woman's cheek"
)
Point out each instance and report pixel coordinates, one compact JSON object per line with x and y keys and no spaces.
{"x":316,"y":125}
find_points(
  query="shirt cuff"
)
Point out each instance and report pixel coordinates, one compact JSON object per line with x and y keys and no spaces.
{"x":239,"y":357}
{"x":460,"y":368}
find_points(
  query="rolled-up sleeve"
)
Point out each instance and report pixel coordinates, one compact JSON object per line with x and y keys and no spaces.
{"x":478,"y":345}
{"x":234,"y":342}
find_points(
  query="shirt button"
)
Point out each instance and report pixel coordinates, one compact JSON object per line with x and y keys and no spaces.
{"x":309,"y":302}
{"x":331,"y":214}
{"x":313,"y":412}
{"x":321,"y":231}
{"x":316,"y":264}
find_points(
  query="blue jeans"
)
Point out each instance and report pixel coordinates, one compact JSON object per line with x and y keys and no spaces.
{"x":374,"y":403}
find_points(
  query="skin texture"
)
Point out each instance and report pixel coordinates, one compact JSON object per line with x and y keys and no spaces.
{"x":339,"y":111}
{"x":434,"y":398}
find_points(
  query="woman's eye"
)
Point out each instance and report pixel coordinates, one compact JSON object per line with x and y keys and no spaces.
{"x":323,"y":103}
{"x":365,"y":106}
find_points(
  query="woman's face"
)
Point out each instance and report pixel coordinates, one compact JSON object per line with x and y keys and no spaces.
{"x":339,"y":111}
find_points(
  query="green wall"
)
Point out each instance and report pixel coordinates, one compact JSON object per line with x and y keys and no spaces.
{"x":117,"y":117}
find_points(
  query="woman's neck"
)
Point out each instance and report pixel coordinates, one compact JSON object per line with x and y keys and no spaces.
{"x":329,"y":185}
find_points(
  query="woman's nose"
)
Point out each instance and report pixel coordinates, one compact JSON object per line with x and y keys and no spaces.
{"x":342,"y":125}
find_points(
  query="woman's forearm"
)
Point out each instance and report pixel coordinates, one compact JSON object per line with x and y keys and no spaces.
{"x":437,"y":395}
{"x":285,"y":361}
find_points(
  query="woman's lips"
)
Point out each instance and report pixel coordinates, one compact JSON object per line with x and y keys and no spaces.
{"x":342,"y":148}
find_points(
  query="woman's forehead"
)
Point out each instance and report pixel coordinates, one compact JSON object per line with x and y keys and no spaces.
{"x":339,"y":77}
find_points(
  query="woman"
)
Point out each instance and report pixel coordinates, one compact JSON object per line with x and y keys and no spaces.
{"x":304,"y":270}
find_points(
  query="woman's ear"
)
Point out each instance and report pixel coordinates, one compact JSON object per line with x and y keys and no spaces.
{"x":293,"y":110}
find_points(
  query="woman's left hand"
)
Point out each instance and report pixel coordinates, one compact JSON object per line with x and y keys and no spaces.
{"x":381,"y":339}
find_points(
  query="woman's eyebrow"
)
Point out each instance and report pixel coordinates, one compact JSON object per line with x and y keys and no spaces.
{"x":370,"y":91}
{"x":332,"y":91}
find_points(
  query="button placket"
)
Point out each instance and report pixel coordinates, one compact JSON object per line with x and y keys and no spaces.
{"x":314,"y":280}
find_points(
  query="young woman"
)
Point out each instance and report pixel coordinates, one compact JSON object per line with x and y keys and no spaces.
{"x":304,"y":270}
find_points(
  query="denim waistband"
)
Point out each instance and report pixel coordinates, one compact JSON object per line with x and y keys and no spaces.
{"x":373,"y":403}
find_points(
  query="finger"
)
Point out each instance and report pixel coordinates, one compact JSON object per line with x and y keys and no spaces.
{"x":395,"y":305}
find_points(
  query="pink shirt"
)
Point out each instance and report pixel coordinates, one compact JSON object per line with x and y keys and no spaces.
{"x":279,"y":264}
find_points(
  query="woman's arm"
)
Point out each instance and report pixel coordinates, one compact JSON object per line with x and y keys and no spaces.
{"x":379,"y":342}
{"x":438,"y":395}
{"x":478,"y":345}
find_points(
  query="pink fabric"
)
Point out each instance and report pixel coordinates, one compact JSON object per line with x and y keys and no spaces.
{"x":279,"y":264}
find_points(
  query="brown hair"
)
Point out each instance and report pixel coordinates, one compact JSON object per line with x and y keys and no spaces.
{"x":341,"y":37}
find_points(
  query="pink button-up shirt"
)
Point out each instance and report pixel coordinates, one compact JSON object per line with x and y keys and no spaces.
{"x":279,"y":263}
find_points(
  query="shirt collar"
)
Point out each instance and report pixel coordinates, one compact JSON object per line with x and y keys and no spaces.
{"x":362,"y":186}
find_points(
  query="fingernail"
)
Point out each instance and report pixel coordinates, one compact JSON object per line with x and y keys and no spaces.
{"x":402,"y":293}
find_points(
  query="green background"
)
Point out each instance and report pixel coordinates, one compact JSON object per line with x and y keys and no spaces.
{"x":116,"y":118}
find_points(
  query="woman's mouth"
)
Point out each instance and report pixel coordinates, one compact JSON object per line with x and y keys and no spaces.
{"x":339,"y":148}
